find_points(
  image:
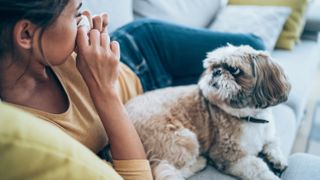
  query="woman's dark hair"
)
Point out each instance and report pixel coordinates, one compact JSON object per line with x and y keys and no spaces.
{"x":42,"y":13}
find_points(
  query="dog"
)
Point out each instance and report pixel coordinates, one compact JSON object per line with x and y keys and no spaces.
{"x":225,"y":119}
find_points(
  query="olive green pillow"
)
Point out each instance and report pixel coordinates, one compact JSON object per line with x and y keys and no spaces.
{"x":295,"y":23}
{"x":31,"y":148}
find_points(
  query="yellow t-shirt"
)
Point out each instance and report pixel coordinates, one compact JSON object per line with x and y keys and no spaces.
{"x":81,"y":120}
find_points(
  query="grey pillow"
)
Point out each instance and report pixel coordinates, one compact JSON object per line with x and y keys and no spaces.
{"x":195,"y":13}
{"x":264,"y":21}
{"x":120,"y":11}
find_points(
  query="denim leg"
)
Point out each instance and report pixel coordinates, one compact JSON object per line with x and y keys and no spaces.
{"x":164,"y":54}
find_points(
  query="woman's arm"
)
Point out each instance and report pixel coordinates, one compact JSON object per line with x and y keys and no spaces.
{"x":98,"y":63}
{"x":124,"y":140}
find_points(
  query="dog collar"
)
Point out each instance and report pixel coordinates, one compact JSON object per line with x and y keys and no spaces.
{"x":247,"y":118}
{"x":254,"y":120}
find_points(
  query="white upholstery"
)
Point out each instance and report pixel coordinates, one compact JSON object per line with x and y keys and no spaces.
{"x":263,"y":21}
{"x":193,"y":13}
{"x":120,"y":11}
{"x":286,"y":127}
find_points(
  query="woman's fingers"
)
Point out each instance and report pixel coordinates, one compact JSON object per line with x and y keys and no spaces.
{"x":98,"y":35}
{"x":94,"y":38}
{"x":97,"y":23}
{"x":82,"y":38}
{"x":105,"y":22}
{"x":115,"y":48}
{"x":105,"y":40}
{"x":100,"y":22}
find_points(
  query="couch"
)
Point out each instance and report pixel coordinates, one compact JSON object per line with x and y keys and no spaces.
{"x":77,"y":162}
{"x":300,"y":63}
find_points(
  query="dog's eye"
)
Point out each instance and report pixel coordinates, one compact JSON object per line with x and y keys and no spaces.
{"x":234,"y":70}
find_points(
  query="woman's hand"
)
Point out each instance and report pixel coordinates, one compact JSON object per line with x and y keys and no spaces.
{"x":98,"y":58}
{"x":98,"y":63}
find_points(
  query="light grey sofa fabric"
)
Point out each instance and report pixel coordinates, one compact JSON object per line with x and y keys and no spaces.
{"x":211,"y":173}
{"x":193,"y":13}
{"x":263,"y":21}
{"x":301,"y":167}
{"x":120,"y":11}
{"x":286,"y":127}
{"x":313,"y":20}
{"x":300,"y":65}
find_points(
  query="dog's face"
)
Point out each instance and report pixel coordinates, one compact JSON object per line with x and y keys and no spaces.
{"x":241,"y":77}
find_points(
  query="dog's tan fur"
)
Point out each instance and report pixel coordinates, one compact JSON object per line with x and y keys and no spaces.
{"x":178,"y":124}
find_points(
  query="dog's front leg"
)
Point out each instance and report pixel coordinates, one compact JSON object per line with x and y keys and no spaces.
{"x":251,"y":168}
{"x":274,"y":157}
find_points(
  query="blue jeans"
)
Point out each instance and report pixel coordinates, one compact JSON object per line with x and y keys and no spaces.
{"x":164,"y":54}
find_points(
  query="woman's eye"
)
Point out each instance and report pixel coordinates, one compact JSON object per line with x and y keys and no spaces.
{"x":234,"y":70}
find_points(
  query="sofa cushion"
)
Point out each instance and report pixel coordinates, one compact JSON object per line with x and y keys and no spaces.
{"x":119,"y":11}
{"x":302,"y":166}
{"x":31,"y":148}
{"x":193,"y":13}
{"x":294,"y":25}
{"x":266,"y":22}
{"x":301,"y":65}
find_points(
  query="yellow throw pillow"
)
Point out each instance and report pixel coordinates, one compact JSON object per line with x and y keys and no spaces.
{"x":294,"y":26}
{"x":31,"y":148}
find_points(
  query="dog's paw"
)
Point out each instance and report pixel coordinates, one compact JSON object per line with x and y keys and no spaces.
{"x":274,"y":158}
{"x":276,"y":163}
{"x":200,"y":164}
{"x":197,"y":166}
{"x":279,"y":165}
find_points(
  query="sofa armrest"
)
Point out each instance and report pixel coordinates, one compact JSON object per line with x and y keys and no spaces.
{"x":313,"y":17}
{"x":312,"y":27}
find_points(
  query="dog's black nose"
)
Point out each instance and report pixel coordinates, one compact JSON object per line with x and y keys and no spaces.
{"x":216,"y":72}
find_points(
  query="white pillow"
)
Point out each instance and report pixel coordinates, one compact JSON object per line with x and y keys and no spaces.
{"x":120,"y":11}
{"x":264,"y":21}
{"x":195,"y":13}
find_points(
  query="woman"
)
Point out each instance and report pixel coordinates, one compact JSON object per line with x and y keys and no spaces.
{"x":80,"y":93}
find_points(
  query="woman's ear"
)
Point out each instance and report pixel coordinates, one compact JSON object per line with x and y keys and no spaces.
{"x":23,"y":34}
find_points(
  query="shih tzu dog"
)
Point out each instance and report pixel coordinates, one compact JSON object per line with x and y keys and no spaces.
{"x":225,"y":119}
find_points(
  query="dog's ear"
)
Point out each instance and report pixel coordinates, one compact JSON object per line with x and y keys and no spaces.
{"x":272,"y":86}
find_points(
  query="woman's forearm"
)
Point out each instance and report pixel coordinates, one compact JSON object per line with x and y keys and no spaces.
{"x":124,"y":139}
{"x":98,"y":63}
